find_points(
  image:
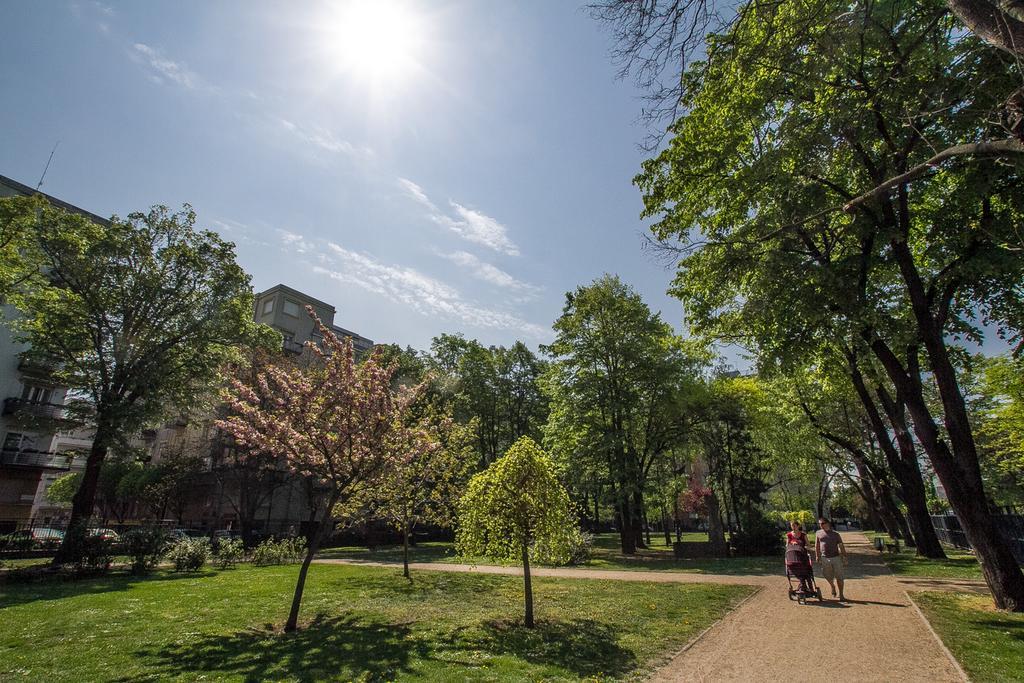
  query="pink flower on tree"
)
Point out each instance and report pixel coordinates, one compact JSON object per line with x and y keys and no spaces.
{"x":332,"y":422}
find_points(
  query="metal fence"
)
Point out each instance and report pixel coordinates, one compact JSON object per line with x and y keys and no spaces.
{"x":19,"y":538}
{"x":1009,"y":521}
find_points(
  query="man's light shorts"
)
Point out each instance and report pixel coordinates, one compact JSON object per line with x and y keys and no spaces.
{"x":832,"y":568}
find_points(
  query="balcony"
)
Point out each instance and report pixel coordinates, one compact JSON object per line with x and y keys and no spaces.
{"x":39,"y":369}
{"x":31,"y":458}
{"x":292,"y":346}
{"x":23,"y":407}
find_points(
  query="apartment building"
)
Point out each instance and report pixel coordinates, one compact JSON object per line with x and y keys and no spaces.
{"x":284,"y":309}
{"x":36,"y":445}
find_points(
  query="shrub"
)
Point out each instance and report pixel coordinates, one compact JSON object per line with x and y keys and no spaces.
{"x":229,"y":552}
{"x":580,"y":547}
{"x":144,"y":547}
{"x":805,"y":517}
{"x":279,"y":552}
{"x":295,"y":548}
{"x":758,"y":537}
{"x":189,"y":554}
{"x":95,"y":555}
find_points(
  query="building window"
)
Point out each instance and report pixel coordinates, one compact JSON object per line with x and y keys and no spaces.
{"x":291,"y":308}
{"x":34,"y":394}
{"x":268,"y":306}
{"x":18,"y":442}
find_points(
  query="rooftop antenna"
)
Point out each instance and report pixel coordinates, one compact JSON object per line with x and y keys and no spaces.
{"x":47,"y":168}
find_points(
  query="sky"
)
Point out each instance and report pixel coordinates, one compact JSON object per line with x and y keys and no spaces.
{"x":425,"y":167}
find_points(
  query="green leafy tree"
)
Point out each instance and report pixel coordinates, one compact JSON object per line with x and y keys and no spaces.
{"x":20,"y":259}
{"x":798,"y":108}
{"x":619,"y":387}
{"x":140,"y":314}
{"x":516,"y":509}
{"x":428,"y":462}
{"x":63,"y":489}
{"x":496,"y":388}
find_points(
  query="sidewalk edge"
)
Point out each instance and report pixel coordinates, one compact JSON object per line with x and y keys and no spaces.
{"x":942,"y":645}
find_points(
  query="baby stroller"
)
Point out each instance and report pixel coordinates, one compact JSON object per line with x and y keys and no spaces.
{"x":798,"y":566}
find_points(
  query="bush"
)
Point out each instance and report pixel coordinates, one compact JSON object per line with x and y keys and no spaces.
{"x":295,"y":548}
{"x":805,"y":517}
{"x":279,"y":552}
{"x":229,"y":552}
{"x":94,"y":555}
{"x":189,"y":554}
{"x":580,"y":546}
{"x":144,"y":547}
{"x":759,"y":537}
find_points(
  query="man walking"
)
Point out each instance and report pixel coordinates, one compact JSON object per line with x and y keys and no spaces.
{"x":828,"y":546}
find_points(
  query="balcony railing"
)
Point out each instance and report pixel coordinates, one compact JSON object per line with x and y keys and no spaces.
{"x":36,"y":409}
{"x":37,"y":368}
{"x":31,"y":458}
{"x":292,"y":346}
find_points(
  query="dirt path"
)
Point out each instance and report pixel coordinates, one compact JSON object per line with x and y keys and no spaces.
{"x":877,"y":636}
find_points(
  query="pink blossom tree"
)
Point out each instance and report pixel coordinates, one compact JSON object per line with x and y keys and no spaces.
{"x":428,"y":466}
{"x":331,"y":422}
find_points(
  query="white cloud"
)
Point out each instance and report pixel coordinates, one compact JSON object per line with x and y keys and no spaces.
{"x":417,"y":193}
{"x":323,"y":139}
{"x":489,"y":272}
{"x":167,"y":69}
{"x":482,"y":229}
{"x":471,"y":225}
{"x":295,"y":241}
{"x":424,"y":294}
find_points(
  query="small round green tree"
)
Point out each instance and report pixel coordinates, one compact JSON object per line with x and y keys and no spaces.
{"x":516,"y":509}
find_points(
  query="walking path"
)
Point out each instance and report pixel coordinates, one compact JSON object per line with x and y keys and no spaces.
{"x":878,"y":635}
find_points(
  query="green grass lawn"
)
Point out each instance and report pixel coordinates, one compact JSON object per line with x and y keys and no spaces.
{"x":957,"y":565}
{"x":605,"y":555}
{"x":359,"y":623}
{"x":988,"y":644}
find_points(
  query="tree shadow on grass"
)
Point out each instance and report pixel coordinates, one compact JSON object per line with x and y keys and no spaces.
{"x":14,"y":593}
{"x":344,"y":647}
{"x":1011,"y":627}
{"x":582,"y":646}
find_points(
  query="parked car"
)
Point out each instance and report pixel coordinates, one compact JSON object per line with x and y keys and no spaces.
{"x":43,"y":536}
{"x":105,"y":533}
{"x":176,"y":535}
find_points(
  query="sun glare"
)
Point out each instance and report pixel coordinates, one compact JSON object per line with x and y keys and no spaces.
{"x":375,"y":40}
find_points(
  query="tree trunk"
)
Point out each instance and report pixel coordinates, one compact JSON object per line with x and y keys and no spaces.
{"x":405,"y":549}
{"x":665,"y":528}
{"x":716,"y":530}
{"x":314,"y":545}
{"x":911,"y":481}
{"x":527,"y":586}
{"x":958,"y":470}
{"x":627,"y":540}
{"x":84,"y":500}
{"x":902,"y":463}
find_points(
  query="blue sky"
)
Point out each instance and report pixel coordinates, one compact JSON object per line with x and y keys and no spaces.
{"x":466,"y":189}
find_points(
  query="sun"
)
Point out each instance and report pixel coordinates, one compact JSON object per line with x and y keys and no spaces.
{"x":375,"y":40}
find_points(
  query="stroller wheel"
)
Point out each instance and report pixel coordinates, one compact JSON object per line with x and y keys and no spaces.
{"x":792,"y":594}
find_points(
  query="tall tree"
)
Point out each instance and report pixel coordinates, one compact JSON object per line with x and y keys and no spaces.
{"x":329,"y":422}
{"x":795,"y":111}
{"x":139,"y":314}
{"x":616,"y":385}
